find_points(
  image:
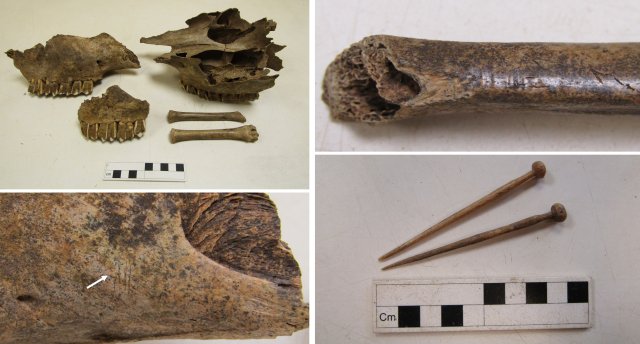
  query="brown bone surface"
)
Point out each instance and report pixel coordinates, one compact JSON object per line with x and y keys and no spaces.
{"x":114,"y":116}
{"x":387,"y":78}
{"x":221,"y":56}
{"x":71,"y":65}
{"x":246,"y":133}
{"x":179,"y":265}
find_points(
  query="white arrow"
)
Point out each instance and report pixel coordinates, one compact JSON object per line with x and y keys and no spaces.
{"x":102,"y":279}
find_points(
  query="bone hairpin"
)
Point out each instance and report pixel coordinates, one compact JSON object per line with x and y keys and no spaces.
{"x":538,"y":170}
{"x":179,"y":116}
{"x":388,"y":78}
{"x":247,"y":133}
{"x":557,"y":214}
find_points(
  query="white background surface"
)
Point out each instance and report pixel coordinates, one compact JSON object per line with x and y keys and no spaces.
{"x":366,"y":206}
{"x":293,"y":209}
{"x":340,"y":23}
{"x":41,"y":145}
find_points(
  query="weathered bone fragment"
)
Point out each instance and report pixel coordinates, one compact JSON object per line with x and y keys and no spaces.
{"x":199,"y":266}
{"x":246,"y":133}
{"x":71,"y":65}
{"x":221,"y":56}
{"x":114,"y":116}
{"x":387,"y":78}
{"x":180,"y":116}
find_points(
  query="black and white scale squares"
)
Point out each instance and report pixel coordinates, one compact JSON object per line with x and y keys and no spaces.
{"x":409,"y":316}
{"x":536,"y":292}
{"x":494,"y":293}
{"x":451,"y":315}
{"x":489,"y":304}
{"x":577,"y":292}
{"x":146,"y":171}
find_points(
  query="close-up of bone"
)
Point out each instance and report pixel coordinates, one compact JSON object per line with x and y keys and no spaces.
{"x":115,"y":267}
{"x":221,"y":56}
{"x":114,"y":116}
{"x":71,"y":65}
{"x":388,"y":78}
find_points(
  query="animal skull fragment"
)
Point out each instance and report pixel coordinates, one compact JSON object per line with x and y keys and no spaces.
{"x":221,"y":56}
{"x":115,"y":115}
{"x":70,"y":65}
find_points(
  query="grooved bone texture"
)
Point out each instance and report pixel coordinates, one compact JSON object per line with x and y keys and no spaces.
{"x":221,"y":56}
{"x":115,"y":115}
{"x":387,"y":78}
{"x":229,"y":277}
{"x":71,"y":65}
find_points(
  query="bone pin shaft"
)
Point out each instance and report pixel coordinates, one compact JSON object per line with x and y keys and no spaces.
{"x":557,"y":213}
{"x":538,"y":170}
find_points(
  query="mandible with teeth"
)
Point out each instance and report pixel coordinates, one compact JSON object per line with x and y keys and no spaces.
{"x":70,"y":65}
{"x":115,"y":115}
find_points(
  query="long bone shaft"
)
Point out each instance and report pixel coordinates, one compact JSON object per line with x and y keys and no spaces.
{"x":179,"y":116}
{"x":387,"y":78}
{"x":247,"y":133}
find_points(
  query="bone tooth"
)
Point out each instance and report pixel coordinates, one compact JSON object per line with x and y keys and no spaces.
{"x":84,"y":128}
{"x":95,"y":131}
{"x":130,"y":133}
{"x":87,"y":87}
{"x":92,"y":131}
{"x":138,"y":128}
{"x":64,"y":88}
{"x":75,"y":89}
{"x":55,"y":89}
{"x":113,"y":131}
{"x":122,"y":128}
{"x":103,"y":131}
{"x":40,"y":87}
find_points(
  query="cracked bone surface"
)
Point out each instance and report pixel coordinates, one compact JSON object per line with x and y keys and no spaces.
{"x":114,"y":116}
{"x":71,"y":65}
{"x":388,"y":78}
{"x":199,"y":266}
{"x":180,"y":116}
{"x":246,"y":133}
{"x":221,"y":56}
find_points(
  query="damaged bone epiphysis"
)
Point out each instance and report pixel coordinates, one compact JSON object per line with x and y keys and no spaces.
{"x":221,"y":56}
{"x":70,"y":65}
{"x":115,"y":115}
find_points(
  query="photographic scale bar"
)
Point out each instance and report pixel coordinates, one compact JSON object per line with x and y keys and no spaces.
{"x":144,"y":171}
{"x":481,"y":304}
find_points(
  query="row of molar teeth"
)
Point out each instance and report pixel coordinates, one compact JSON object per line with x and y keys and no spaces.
{"x":227,"y":97}
{"x":45,"y":88}
{"x":113,"y":130}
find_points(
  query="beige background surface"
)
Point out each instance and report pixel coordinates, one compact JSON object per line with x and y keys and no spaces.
{"x":365,"y":206}
{"x":41,"y":145}
{"x":340,"y":23}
